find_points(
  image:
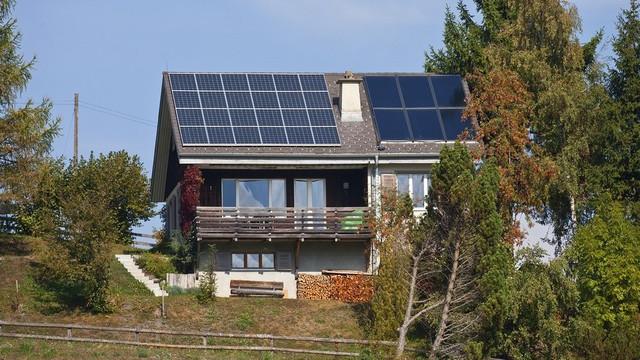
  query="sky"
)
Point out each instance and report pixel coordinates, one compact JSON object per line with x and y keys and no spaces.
{"x":113,"y":52}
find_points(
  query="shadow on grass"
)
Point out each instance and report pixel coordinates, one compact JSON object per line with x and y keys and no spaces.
{"x":14,"y":245}
{"x":363,"y":315}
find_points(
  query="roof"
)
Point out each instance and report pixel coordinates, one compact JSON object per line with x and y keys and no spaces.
{"x":358,"y":139}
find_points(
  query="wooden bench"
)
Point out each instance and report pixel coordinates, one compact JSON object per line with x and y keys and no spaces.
{"x":256,"y":288}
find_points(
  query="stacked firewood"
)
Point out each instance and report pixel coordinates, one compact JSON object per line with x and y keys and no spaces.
{"x":314,"y":287}
{"x":351,"y":288}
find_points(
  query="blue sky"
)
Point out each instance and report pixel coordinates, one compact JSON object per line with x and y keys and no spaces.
{"x":113,"y":52}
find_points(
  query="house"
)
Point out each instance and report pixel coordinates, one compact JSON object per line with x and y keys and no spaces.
{"x":293,"y":163}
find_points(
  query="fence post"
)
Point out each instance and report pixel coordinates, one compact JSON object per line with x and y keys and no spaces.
{"x":137,"y":336}
{"x":69,"y":332}
{"x":204,"y":341}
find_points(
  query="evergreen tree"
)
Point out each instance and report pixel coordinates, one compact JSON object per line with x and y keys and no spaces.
{"x":26,"y":132}
{"x":472,"y":260}
{"x":532,"y":44}
{"x":605,"y":255}
{"x":624,"y":87}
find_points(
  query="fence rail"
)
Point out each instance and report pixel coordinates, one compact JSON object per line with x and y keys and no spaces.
{"x":328,"y":222}
{"x":203,"y":336}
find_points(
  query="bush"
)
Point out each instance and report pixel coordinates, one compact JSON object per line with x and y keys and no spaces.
{"x":208,"y":285}
{"x":73,"y":263}
{"x":157,"y":265}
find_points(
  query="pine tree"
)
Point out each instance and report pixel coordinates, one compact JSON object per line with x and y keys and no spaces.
{"x":26,"y":132}
{"x":624,"y":87}
{"x":472,"y":258}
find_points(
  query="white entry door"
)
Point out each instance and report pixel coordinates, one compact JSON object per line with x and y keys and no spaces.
{"x":310,"y":196}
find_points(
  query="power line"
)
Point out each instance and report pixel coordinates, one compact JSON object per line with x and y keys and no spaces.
{"x":142,"y":122}
{"x":104,"y":110}
{"x":117,"y":112}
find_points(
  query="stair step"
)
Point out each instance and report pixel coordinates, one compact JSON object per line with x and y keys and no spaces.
{"x":128,"y":261}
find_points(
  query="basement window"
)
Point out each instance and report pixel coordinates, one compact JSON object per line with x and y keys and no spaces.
{"x":251,"y":261}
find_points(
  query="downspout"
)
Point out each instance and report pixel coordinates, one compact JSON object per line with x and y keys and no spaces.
{"x":377,"y":204}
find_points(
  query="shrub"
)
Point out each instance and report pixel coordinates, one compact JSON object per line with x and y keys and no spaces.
{"x":157,"y":265}
{"x":74,"y":262}
{"x":208,"y":286}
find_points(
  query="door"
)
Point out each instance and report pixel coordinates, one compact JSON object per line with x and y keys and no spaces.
{"x":311,"y":200}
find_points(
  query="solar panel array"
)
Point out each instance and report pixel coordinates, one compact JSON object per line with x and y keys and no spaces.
{"x":414,"y":108}
{"x":253,"y":109}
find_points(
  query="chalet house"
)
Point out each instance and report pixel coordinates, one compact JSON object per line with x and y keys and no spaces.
{"x":293,"y":163}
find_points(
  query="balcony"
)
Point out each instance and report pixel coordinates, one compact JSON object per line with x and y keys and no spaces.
{"x":335,"y":223}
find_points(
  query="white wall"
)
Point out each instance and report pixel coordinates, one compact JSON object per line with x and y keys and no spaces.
{"x":223,"y":281}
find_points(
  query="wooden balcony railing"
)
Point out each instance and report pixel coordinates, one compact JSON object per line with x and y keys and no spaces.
{"x":273,"y":223}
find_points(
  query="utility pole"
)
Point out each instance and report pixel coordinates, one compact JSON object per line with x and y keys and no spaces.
{"x":75,"y":128}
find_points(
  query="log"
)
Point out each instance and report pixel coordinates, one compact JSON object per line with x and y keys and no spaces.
{"x":254,"y":291}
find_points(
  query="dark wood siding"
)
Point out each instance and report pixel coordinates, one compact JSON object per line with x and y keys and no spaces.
{"x":337,"y":196}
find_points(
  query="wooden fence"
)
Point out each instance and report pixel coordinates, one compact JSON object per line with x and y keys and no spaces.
{"x":203,"y":337}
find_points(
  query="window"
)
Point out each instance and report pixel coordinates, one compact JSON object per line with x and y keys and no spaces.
{"x":261,"y":261}
{"x":254,"y":193}
{"x":416,"y":185}
{"x":310,"y":193}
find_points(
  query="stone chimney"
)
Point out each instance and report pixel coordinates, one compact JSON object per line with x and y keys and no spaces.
{"x":350,"y":106}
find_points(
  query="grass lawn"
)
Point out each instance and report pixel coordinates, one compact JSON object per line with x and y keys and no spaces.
{"x":136,"y":307}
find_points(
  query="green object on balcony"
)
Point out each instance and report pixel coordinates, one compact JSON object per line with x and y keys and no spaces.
{"x":353,"y":221}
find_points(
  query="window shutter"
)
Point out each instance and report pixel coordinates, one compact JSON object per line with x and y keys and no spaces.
{"x":283,"y":261}
{"x":388,"y":182}
{"x":223,"y":261}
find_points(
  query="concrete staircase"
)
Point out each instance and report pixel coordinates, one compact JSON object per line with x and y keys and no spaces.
{"x":128,"y":261}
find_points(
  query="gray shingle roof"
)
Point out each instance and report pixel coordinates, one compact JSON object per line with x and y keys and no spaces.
{"x":358,"y":138}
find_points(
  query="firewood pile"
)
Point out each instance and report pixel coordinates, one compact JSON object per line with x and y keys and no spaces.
{"x":351,"y":288}
{"x":314,"y":287}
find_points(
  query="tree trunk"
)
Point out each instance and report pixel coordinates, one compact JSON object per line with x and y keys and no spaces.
{"x":574,"y":216}
{"x":447,"y":302}
{"x":402,"y":331}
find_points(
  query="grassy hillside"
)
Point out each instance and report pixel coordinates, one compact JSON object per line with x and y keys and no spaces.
{"x":135,"y":306}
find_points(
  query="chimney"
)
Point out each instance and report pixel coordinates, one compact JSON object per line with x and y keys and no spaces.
{"x":350,"y":106}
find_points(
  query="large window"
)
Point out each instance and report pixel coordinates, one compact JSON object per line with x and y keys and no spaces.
{"x":416,"y":185}
{"x":254,"y":193}
{"x":262,"y":261}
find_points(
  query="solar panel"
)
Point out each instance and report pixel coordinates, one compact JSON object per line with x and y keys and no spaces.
{"x":183,"y":82}
{"x":273,"y":135}
{"x":208,"y":82}
{"x":190,"y":117}
{"x":417,"y":107}
{"x":213,"y":100}
{"x":253,"y":109}
{"x":216,"y":117}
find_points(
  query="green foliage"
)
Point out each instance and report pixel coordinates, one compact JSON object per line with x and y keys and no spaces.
{"x":122,"y":176}
{"x":27,"y":132}
{"x":624,"y":87}
{"x":390,"y":284}
{"x":462,"y":38}
{"x":207,"y":285}
{"x":157,"y":265}
{"x":118,"y":176}
{"x":527,"y":321}
{"x":245,"y":321}
{"x":591,"y":341}
{"x":605,"y":256}
{"x":82,"y":210}
{"x":74,"y":264}
{"x":472,"y":262}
